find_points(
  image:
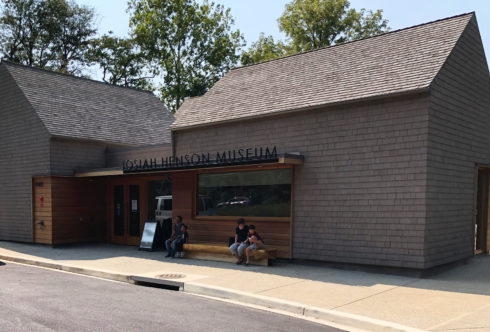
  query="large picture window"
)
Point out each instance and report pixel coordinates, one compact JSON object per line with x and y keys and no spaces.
{"x":264,"y":193}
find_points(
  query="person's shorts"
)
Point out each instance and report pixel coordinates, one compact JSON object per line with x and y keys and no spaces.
{"x":254,"y":246}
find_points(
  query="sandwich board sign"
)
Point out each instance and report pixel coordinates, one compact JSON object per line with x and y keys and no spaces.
{"x":149,"y":238}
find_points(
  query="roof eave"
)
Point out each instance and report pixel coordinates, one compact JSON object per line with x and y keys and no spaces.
{"x":94,"y":141}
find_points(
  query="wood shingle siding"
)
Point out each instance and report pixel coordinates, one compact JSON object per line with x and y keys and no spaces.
{"x":459,"y":139}
{"x":56,"y":124}
{"x":24,"y":151}
{"x":360,"y":195}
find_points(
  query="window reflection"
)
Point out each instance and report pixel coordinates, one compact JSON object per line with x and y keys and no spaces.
{"x":158,"y":189}
{"x":160,"y":204}
{"x":254,"y":193}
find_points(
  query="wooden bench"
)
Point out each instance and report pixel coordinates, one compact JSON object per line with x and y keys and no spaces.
{"x":221,"y":253}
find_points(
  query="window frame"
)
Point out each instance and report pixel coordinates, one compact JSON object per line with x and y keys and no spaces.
{"x":196,"y":216}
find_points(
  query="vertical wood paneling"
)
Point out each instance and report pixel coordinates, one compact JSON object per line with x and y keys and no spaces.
{"x":72,"y":210}
{"x":276,"y":233}
{"x":78,"y":209}
{"x":42,"y":210}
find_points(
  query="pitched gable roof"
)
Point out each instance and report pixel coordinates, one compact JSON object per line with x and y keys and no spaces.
{"x":80,"y":108}
{"x":392,"y":63}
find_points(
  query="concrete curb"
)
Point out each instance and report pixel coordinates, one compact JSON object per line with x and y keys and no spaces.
{"x":337,"y":317}
{"x":341,"y":318}
{"x":71,"y":269}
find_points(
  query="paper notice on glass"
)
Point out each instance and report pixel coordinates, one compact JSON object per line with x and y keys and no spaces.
{"x":134,"y":205}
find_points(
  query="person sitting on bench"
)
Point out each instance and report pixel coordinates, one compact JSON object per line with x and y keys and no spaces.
{"x":239,"y":246}
{"x":255,"y":242}
{"x":179,"y":244}
{"x":170,"y":243}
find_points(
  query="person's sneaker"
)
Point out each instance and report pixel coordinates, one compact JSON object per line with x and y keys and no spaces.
{"x":181,"y":254}
{"x":167,"y":255}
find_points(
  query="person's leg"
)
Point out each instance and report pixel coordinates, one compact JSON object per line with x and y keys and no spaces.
{"x":179,"y":248}
{"x":241,"y":249}
{"x":249,"y":252}
{"x":174,"y":246}
{"x":168,"y":247}
{"x":233,"y":249}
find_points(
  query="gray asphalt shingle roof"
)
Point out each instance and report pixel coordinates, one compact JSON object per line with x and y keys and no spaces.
{"x":391,"y":63}
{"x":85,"y":109}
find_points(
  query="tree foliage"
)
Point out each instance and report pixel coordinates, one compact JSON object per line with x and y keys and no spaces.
{"x":189,"y":44}
{"x":266,"y":48}
{"x":311,"y":24}
{"x":120,"y":61}
{"x":50,"y":34}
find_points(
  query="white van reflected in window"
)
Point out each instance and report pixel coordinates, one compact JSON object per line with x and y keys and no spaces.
{"x":164,"y":208}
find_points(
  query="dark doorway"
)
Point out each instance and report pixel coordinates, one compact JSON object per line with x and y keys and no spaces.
{"x":481,"y":221}
{"x":119,"y":211}
{"x":134,"y":216}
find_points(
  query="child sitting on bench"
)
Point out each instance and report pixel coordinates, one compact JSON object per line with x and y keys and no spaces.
{"x":255,"y":241}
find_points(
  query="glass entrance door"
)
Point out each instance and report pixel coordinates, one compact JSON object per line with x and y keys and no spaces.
{"x":126,"y":213}
{"x":118,"y":229}
{"x":134,"y":213}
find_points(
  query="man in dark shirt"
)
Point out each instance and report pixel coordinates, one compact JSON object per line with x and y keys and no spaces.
{"x":240,"y":244}
{"x":254,"y":241}
{"x":172,"y":241}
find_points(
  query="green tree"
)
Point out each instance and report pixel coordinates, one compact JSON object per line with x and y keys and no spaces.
{"x":69,"y":28}
{"x":312,"y":24}
{"x":263,"y":49}
{"x":189,"y":44}
{"x":52,"y":34}
{"x":20,"y":31}
{"x":120,"y":60}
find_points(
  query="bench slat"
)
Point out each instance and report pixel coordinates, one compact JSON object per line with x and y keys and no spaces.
{"x":219,"y":252}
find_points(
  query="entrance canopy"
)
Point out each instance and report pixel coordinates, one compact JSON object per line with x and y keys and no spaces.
{"x":191,"y":162}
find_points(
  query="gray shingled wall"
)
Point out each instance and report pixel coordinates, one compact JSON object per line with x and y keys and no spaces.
{"x":360,"y":195}
{"x":459,"y":137}
{"x":71,"y":156}
{"x":116,"y":155}
{"x":24,"y":151}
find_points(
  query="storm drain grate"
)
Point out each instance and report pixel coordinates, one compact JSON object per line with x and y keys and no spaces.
{"x":158,"y":282}
{"x":171,"y":276}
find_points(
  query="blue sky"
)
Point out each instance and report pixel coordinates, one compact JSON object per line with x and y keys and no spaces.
{"x":255,"y":16}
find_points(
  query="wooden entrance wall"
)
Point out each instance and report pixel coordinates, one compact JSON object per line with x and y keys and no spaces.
{"x":482,"y":219}
{"x":68,"y":210}
{"x":76,"y":210}
{"x":210,"y":229}
{"x":276,"y":232}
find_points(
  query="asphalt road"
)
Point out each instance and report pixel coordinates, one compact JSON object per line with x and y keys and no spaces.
{"x":34,"y":299}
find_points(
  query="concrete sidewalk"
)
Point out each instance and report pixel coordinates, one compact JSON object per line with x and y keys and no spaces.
{"x":455,"y":300}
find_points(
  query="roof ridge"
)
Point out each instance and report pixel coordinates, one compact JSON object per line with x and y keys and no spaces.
{"x":357,"y":40}
{"x":52,"y":72}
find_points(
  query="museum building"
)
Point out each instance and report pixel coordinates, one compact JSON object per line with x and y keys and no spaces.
{"x":374,"y":152}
